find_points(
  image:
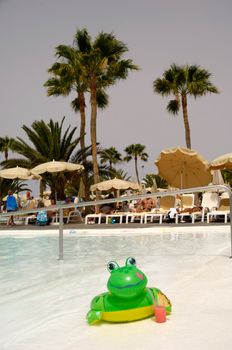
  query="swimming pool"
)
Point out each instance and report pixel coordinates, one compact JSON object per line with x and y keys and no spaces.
{"x":43,"y":301}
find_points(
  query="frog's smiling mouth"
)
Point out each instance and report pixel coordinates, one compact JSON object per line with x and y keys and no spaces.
{"x":126,"y":286}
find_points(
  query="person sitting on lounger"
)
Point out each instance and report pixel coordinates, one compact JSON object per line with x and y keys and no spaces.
{"x":29,"y":202}
{"x":66,"y":211}
{"x":148,"y":203}
{"x":51,"y":213}
{"x":145,"y":205}
{"x":108,"y":208}
{"x":11,"y":205}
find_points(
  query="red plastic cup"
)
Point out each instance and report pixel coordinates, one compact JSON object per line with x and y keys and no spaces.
{"x":160,"y":314}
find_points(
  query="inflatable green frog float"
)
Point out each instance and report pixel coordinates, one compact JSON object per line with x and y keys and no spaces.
{"x":129,"y":298}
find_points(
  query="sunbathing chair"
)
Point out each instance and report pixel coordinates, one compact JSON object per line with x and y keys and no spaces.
{"x":25,"y":219}
{"x":165,"y":204}
{"x":223,"y":210}
{"x":210,"y":202}
{"x":72,"y":216}
{"x":92,"y":218}
{"x":116,"y":217}
{"x":131,"y":217}
{"x":187,"y":202}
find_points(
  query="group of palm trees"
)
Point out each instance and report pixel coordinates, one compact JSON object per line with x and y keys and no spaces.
{"x":88,"y":68}
{"x":45,"y":141}
{"x":134,"y":151}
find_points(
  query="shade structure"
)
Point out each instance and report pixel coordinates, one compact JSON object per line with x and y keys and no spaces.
{"x":115,"y":184}
{"x":18,"y":173}
{"x":183,"y":168}
{"x":222,"y":162}
{"x":55,"y":167}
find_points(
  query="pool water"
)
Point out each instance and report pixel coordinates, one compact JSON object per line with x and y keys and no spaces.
{"x":43,"y":301}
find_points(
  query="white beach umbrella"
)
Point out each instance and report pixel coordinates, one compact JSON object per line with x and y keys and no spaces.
{"x":222,"y":162}
{"x":18,"y":173}
{"x":55,"y":167}
{"x":115,"y":184}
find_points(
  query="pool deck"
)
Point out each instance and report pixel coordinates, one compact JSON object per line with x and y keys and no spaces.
{"x":82,"y":226}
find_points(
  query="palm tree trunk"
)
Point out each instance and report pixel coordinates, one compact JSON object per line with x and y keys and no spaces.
{"x":93,"y":133}
{"x":42,"y":187}
{"x":136,"y":169}
{"x":111,"y":169}
{"x":186,"y":121}
{"x":82,"y":127}
{"x":82,"y":143}
{"x":93,"y":129}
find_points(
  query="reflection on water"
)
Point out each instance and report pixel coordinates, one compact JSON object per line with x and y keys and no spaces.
{"x":27,"y":260}
{"x":39,"y":293}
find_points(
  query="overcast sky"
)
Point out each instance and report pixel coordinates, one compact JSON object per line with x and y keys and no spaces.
{"x":157,"y":33}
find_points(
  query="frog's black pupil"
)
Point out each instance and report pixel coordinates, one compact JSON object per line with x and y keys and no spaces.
{"x":132,"y":261}
{"x":111,"y":266}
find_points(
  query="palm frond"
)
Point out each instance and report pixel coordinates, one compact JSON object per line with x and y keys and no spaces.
{"x":173,"y":107}
{"x":162,"y":87}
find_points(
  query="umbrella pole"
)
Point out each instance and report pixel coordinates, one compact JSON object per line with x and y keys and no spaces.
{"x":181,"y":180}
{"x":17,"y":190}
{"x":116,"y":194}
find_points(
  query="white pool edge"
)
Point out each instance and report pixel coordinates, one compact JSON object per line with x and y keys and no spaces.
{"x":119,"y":231}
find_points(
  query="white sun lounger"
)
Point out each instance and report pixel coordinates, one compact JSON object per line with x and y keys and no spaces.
{"x":90,"y":217}
{"x":223,"y":210}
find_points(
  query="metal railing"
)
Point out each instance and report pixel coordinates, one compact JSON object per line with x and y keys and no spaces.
{"x":60,"y":207}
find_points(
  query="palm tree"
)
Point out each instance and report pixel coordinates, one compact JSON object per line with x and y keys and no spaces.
{"x":227,"y":176}
{"x":88,"y":67}
{"x":102,"y":66}
{"x":6,"y":144}
{"x":80,"y":183}
{"x":181,"y":81}
{"x":110,"y":155}
{"x":150,"y":179}
{"x":47,"y":142}
{"x":121,"y":174}
{"x":136,"y":151}
{"x":66,"y":78}
{"x":75,"y":183}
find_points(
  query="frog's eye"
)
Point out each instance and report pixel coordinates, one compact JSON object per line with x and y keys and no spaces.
{"x":112,"y":265}
{"x":130,"y":262}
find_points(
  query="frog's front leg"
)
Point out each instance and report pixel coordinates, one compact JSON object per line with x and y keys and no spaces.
{"x":93,"y":316}
{"x":97,"y":307}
